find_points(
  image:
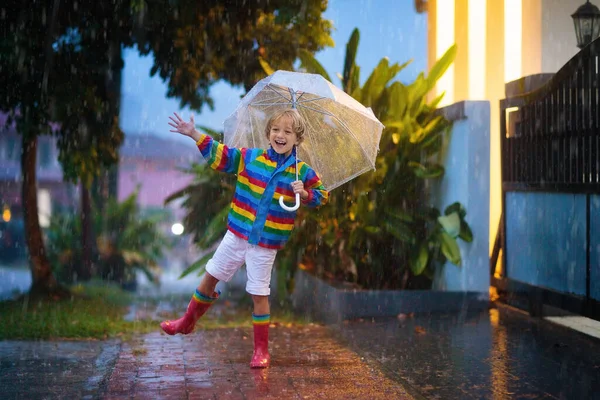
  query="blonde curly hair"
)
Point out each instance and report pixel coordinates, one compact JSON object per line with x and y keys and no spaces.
{"x":298,"y":123}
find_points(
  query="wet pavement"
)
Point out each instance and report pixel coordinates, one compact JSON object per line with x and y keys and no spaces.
{"x":307,"y":363}
{"x":499,"y":354}
{"x":55,"y":369}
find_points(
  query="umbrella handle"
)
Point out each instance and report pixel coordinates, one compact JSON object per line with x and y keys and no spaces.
{"x":294,"y":207}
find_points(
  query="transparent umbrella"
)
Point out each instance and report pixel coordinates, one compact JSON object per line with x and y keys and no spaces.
{"x":342,"y":137}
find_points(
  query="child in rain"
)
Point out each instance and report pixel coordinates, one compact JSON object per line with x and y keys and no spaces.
{"x":257,"y":226}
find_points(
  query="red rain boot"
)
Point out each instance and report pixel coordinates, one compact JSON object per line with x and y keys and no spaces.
{"x":197,"y":307}
{"x":261,"y":357}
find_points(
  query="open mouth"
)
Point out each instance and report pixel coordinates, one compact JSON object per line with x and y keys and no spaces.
{"x":280,"y":142}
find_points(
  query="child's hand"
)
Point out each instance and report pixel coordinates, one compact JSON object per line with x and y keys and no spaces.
{"x":185,"y":128}
{"x":298,"y":187}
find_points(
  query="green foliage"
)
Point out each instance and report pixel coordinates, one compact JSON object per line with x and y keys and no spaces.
{"x":99,"y":310}
{"x":126,"y":242}
{"x":376,"y":231}
{"x":61,"y":63}
{"x":196,"y":43}
{"x":206,"y":200}
{"x":90,"y":312}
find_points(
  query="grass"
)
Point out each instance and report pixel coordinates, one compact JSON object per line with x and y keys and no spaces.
{"x":97,"y":311}
{"x":92,"y":312}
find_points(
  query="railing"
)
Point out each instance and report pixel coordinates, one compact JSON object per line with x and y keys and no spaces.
{"x":550,"y":137}
{"x":550,"y":142}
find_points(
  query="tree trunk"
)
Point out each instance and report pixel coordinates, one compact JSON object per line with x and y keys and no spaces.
{"x":84,"y":270}
{"x":42,"y":279}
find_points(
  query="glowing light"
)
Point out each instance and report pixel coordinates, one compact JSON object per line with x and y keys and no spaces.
{"x":477,"y":37}
{"x":445,"y":39}
{"x":513,"y":38}
{"x":6,"y":215}
{"x":177,"y":229}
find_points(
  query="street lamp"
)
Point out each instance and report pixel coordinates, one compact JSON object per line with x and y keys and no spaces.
{"x":587,"y":24}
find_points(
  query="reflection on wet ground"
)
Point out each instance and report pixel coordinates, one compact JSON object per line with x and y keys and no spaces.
{"x":501,"y":354}
{"x":307,"y":363}
{"x":55,"y":369}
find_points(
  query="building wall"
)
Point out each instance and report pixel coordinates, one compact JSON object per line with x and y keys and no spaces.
{"x":466,"y":181}
{"x":148,"y":162}
{"x":154,"y":180}
{"x":498,"y":41}
{"x":53,"y":193}
{"x":558,"y":33}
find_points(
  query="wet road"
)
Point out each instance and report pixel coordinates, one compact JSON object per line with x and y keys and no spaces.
{"x":500,"y":354}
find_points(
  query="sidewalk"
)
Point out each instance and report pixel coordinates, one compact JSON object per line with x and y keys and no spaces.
{"x":307,"y":363}
{"x":500,"y":353}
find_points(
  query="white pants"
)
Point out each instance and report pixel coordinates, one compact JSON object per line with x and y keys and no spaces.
{"x":232,"y":253}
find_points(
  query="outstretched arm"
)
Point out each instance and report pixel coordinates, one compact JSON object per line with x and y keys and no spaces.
{"x":185,"y":128}
{"x":218,"y":156}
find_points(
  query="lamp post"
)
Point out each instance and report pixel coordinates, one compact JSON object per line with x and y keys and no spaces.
{"x":587,"y":24}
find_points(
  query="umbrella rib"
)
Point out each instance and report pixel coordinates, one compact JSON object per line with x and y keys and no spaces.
{"x":345,"y":126}
{"x":271,"y":104}
{"x":310,"y":100}
{"x":278,"y":93}
{"x":321,"y":111}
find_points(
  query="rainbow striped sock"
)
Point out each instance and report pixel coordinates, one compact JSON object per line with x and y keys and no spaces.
{"x":202,"y":299}
{"x":261,"y":319}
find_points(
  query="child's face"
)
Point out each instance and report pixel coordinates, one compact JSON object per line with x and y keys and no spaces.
{"x":282,"y":137}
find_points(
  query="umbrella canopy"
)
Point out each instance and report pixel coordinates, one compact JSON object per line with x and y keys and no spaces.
{"x":342,"y":136}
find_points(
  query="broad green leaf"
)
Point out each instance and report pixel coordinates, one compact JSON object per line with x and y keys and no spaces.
{"x":400,"y":231}
{"x":350,"y":60}
{"x":450,"y":223}
{"x":355,"y":81}
{"x":441,"y":66}
{"x":215,"y":134}
{"x":465,"y":231}
{"x":265,"y":66}
{"x":376,"y":82}
{"x":426,"y":171}
{"x":456,"y":207}
{"x":399,"y":100}
{"x":398,"y":214}
{"x":419,"y":259}
{"x":311,"y":65}
{"x":372,"y":229}
{"x":433,"y":127}
{"x":394,"y":124}
{"x":198,"y":265}
{"x":417,"y":90}
{"x":216,"y":228}
{"x":434,"y":103}
{"x":450,"y":248}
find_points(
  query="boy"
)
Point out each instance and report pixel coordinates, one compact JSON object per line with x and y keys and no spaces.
{"x":257,"y":226}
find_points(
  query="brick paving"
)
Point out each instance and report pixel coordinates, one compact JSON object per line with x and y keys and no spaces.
{"x":306,"y":363}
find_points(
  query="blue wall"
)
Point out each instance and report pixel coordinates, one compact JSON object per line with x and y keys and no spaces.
{"x":595,"y":247}
{"x":545,"y":240}
{"x":467,"y":180}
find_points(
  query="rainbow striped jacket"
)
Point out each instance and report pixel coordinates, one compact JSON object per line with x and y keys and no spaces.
{"x":262,"y":176}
